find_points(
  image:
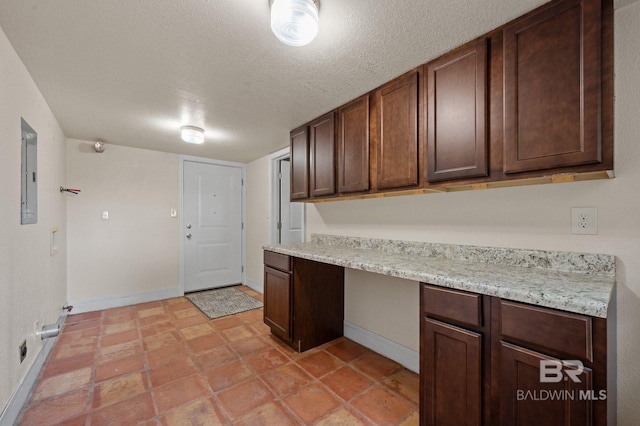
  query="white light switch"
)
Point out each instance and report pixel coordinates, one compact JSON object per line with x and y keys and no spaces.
{"x":53,"y":243}
{"x":105,"y":215}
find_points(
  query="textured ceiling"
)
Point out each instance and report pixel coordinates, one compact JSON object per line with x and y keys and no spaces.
{"x":131,"y":72}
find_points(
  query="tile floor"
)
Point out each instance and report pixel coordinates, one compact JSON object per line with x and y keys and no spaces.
{"x":165,"y":363}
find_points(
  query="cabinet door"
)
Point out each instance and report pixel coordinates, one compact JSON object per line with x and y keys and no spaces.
{"x":277,"y":302}
{"x":397,"y":132}
{"x":299,"y":140}
{"x":353,"y":146}
{"x":452,"y":369}
{"x":322,"y":159}
{"x":552,"y":88}
{"x":526,"y":400}
{"x":457,"y":114}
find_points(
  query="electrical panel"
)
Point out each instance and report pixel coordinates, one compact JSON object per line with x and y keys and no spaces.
{"x":29,"y":170}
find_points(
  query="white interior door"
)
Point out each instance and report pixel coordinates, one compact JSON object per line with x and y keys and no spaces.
{"x":212,"y":213}
{"x":291,"y":214}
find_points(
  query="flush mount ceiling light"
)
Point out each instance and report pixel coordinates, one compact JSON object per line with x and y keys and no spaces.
{"x":294,"y":22}
{"x":192,"y":134}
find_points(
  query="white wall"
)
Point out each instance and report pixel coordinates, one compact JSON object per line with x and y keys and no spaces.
{"x":136,"y":251}
{"x":396,"y":314}
{"x":33,"y":283}
{"x":528,"y":217}
{"x":258,"y":216}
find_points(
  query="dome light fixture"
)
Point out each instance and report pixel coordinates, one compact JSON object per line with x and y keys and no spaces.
{"x":294,"y":22}
{"x":192,"y":134}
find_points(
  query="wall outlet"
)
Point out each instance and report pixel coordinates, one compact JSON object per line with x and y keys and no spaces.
{"x":584,"y":220}
{"x":22,"y":351}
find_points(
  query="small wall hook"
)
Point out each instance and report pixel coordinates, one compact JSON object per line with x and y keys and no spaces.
{"x":71,"y":190}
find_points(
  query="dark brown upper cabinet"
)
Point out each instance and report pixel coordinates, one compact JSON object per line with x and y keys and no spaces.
{"x":299,"y":140}
{"x":552,"y":90}
{"x":353,"y":146}
{"x":529,"y":102}
{"x":457,"y":114}
{"x":397,"y":132}
{"x":322,"y":158}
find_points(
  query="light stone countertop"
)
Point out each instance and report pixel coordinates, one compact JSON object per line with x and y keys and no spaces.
{"x":573,"y":282}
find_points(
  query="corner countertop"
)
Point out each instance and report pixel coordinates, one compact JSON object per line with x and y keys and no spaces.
{"x":574,"y":282}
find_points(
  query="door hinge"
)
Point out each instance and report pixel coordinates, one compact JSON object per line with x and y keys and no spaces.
{"x":279,"y":225}
{"x":242,"y":268}
{"x":242,"y":225}
{"x":280,"y":175}
{"x":242,"y":182}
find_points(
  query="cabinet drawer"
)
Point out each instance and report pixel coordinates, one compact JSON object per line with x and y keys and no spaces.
{"x":277,"y":261}
{"x":453,"y":305}
{"x":552,"y":331}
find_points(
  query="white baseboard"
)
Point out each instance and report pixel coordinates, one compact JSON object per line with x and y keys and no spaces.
{"x":100,"y":303}
{"x":20,"y":397}
{"x":403,"y":355}
{"x":257,"y":286}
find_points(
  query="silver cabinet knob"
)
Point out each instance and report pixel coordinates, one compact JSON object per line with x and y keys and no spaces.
{"x":189,"y":226}
{"x":189,"y":236}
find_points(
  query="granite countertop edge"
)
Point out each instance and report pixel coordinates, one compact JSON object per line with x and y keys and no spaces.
{"x":568,"y":291}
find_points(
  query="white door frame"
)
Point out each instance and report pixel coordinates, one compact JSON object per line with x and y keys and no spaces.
{"x":274,"y":201}
{"x":243,"y":168}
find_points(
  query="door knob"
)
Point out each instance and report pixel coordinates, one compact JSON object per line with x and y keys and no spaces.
{"x":189,"y":236}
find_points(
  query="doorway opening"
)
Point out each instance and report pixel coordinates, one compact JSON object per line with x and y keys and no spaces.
{"x":287,"y":218}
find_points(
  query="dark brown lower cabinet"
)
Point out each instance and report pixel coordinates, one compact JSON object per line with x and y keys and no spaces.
{"x":454,"y":352}
{"x":277,"y":307}
{"x":489,"y":361}
{"x":303,"y":300}
{"x":552,"y":366}
{"x":525,"y":400}
{"x":453,"y":371}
